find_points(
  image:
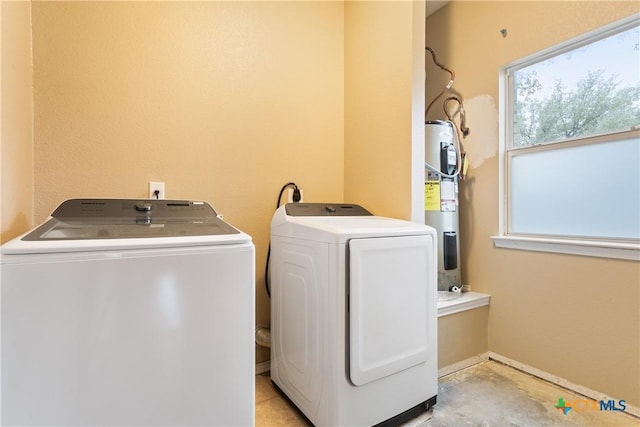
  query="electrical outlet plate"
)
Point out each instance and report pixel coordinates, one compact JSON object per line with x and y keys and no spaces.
{"x":156,"y":186}
{"x":290,"y":196}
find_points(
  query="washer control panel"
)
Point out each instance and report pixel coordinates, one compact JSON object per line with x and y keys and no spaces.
{"x":82,"y":219}
{"x":91,"y":209}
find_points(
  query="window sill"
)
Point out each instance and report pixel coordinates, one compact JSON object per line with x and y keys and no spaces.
{"x":629,"y":251}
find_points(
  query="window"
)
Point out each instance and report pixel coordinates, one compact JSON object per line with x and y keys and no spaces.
{"x":571,"y":146}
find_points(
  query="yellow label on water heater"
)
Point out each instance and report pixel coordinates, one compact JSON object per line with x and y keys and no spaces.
{"x":432,"y":195}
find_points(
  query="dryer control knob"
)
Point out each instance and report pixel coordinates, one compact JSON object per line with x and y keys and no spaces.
{"x":330,"y":209}
{"x":144,"y":207}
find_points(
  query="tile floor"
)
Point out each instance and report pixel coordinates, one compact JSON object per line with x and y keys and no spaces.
{"x":488,"y":394}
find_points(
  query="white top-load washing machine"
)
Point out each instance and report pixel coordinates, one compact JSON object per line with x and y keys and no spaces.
{"x":126,"y":312}
{"x":353,"y":313}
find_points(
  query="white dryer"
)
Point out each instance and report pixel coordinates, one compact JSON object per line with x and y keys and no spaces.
{"x":127,"y":312}
{"x":353,"y":313}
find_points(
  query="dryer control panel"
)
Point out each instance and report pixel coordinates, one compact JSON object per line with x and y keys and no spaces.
{"x":325,"y":209}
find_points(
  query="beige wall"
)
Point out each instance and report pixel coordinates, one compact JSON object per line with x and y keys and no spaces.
{"x":16,"y":166}
{"x":384,"y":107}
{"x":223,"y":101}
{"x":462,"y":336}
{"x":227,"y":101}
{"x":574,"y":317}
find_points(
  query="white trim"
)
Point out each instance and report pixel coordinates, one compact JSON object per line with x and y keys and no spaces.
{"x":417,"y":113}
{"x":562,"y":382}
{"x":263,"y":367}
{"x":467,"y":301}
{"x":502,"y":148}
{"x":619,"y":250}
{"x":463,"y":364}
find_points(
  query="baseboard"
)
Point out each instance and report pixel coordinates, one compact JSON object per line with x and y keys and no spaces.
{"x":463,"y":364}
{"x":562,"y":382}
{"x":263,"y":367}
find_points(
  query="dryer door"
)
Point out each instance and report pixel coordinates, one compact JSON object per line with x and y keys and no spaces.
{"x":390,"y":305}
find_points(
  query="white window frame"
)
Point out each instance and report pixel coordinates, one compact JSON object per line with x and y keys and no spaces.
{"x":629,"y":250}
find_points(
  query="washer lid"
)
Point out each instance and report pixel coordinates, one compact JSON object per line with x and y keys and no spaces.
{"x":86,"y":224}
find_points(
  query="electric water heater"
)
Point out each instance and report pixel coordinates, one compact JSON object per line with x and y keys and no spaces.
{"x":441,"y":198}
